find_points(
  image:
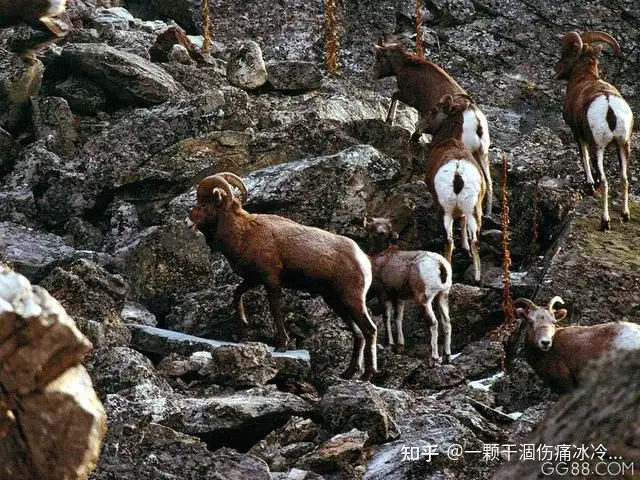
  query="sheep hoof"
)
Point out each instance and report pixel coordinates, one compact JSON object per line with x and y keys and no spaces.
{"x":626,"y":217}
{"x":604,"y":225}
{"x":589,"y":189}
{"x":433,"y":362}
{"x":348,"y":374}
{"x":399,"y":349}
{"x":367,"y":375}
{"x":446,"y":359}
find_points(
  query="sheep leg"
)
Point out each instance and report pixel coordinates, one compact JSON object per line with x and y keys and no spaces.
{"x":391,"y":114}
{"x":237,"y":301}
{"x":586,"y":165}
{"x":430,"y":316}
{"x":473,"y":229}
{"x":443,"y":302}
{"x":355,"y":364}
{"x":624,"y":152}
{"x":448,"y":227}
{"x":483,"y":160}
{"x":399,"y":315}
{"x":464,"y":233}
{"x":356,"y":311}
{"x":274,"y":294}
{"x":387,"y":322}
{"x":605,"y":220}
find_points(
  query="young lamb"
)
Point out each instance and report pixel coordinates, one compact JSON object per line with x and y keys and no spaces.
{"x":402,"y":275}
{"x":277,"y":252}
{"x":454,"y":177}
{"x":558,"y":355}
{"x":421,"y":85}
{"x":38,"y":14}
{"x":596,"y":113}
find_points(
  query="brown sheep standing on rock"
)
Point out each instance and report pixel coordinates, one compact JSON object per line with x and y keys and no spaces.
{"x":277,"y":252}
{"x":38,"y":14}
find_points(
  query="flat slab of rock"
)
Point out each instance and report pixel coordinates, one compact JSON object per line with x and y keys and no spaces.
{"x":157,"y":340}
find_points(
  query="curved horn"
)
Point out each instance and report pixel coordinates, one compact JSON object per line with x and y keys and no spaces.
{"x":530,"y":305}
{"x":464,"y":95}
{"x":237,"y":182}
{"x":572,"y":38}
{"x":553,"y":301}
{"x":597,"y":36}
{"x":210,"y":183}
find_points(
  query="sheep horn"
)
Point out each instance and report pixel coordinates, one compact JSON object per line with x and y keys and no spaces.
{"x":465,"y":96}
{"x":237,"y":182}
{"x":530,"y":305}
{"x":572,"y":39}
{"x":553,"y":301}
{"x":597,"y":36}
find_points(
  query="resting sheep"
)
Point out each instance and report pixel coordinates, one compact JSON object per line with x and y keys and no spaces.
{"x":596,"y":113}
{"x":421,"y":85}
{"x":38,"y":14}
{"x":277,"y":252}
{"x":558,"y":355}
{"x":454,"y":177}
{"x":402,"y":275}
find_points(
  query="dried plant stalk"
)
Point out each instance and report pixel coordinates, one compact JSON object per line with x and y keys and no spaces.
{"x":206,"y":40}
{"x":419,"y":34}
{"x":535,"y":220}
{"x":332,"y":46}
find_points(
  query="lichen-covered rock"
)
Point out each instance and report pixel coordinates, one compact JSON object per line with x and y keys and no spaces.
{"x":342,"y":453}
{"x":52,"y":117}
{"x":18,"y":83}
{"x":293,"y":75}
{"x":246,"y":68}
{"x":240,"y":366}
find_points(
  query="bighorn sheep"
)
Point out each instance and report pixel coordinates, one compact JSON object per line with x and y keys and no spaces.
{"x":38,"y":14}
{"x":421,"y":85}
{"x":596,"y":112}
{"x":454,"y":177}
{"x":401,"y":275}
{"x":277,"y":252}
{"x":558,"y":355}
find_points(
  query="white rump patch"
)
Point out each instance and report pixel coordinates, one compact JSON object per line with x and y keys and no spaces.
{"x":56,"y":7}
{"x":597,"y":118}
{"x":464,"y":201}
{"x":472,"y":117}
{"x":628,"y":337}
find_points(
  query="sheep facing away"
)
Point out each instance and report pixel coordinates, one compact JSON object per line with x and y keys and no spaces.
{"x":277,"y":252}
{"x":421,"y":85}
{"x":454,"y":177}
{"x":596,"y":113}
{"x":559,"y":354}
{"x":37,"y":13}
{"x":403,"y":275}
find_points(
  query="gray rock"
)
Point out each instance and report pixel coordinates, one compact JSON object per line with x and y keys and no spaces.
{"x":294,"y":75}
{"x":53,"y":118}
{"x":127,"y":78}
{"x":342,"y":453}
{"x":355,"y":404}
{"x":116,"y":17}
{"x":480,"y":359}
{"x":179,"y":54}
{"x":246,"y":68}
{"x":32,"y":253}
{"x":240,"y":366}
{"x":82,"y":95}
{"x":18,"y":83}
{"x":134,"y":312}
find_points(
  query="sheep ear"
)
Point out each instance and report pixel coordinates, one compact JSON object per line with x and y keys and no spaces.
{"x":522,"y":313}
{"x":560,"y":314}
{"x":394,"y":236}
{"x":218,"y":196}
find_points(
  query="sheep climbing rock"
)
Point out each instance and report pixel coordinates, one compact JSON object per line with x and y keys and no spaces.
{"x":51,"y":421}
{"x":596,"y":113}
{"x":558,"y":355}
{"x":454,"y":177}
{"x":421,"y":85}
{"x":401,"y":275}
{"x":37,"y":13}
{"x":277,"y":252}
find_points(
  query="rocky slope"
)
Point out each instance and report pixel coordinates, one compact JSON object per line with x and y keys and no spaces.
{"x":104,"y":138}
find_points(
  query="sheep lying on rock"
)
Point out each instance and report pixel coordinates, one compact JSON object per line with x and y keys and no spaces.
{"x":558,"y":355}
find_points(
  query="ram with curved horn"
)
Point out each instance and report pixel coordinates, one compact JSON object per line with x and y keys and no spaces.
{"x":276,"y":252}
{"x":596,"y":113}
{"x":559,"y":354}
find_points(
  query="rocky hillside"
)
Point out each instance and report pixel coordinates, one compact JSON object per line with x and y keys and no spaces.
{"x":103,"y":139}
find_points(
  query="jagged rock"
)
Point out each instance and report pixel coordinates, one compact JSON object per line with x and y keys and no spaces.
{"x":128,"y":79}
{"x":18,"y":83}
{"x":480,"y":359}
{"x":175,"y":365}
{"x":520,"y":388}
{"x":134,"y":312}
{"x":8,"y":152}
{"x":355,"y":404}
{"x":125,"y":372}
{"x":83,"y":235}
{"x":293,"y":75}
{"x":582,"y":418}
{"x":60,"y":425}
{"x":53,"y":118}
{"x":240,"y":366}
{"x":116,"y":17}
{"x":32,"y":253}
{"x":167,"y":40}
{"x":246,"y":68}
{"x":296,"y":474}
{"x":341,"y":453}
{"x":439,"y":377}
{"x":82,"y":95}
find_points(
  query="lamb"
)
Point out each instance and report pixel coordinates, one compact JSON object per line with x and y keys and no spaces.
{"x":596,"y":113}
{"x":38,"y":14}
{"x":454,"y":177}
{"x":421,"y":85}
{"x":558,"y":355}
{"x":401,"y":275}
{"x":277,"y":252}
